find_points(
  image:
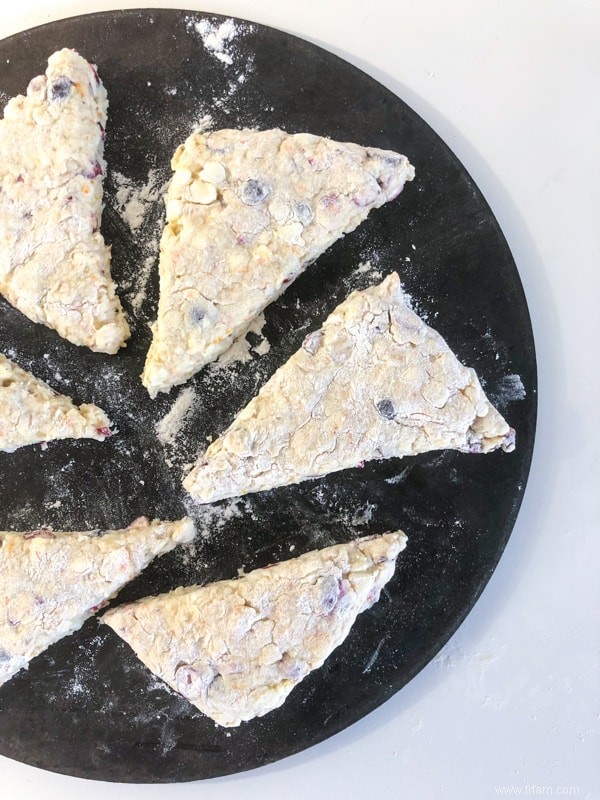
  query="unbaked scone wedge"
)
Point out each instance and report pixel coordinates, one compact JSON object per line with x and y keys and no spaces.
{"x":374,"y":382}
{"x":32,"y":412}
{"x":54,"y":264}
{"x":237,"y":648}
{"x":51,"y":582}
{"x":247,"y":211}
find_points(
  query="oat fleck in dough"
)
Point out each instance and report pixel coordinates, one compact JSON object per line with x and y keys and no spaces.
{"x":237,"y":648}
{"x":54,"y":264}
{"x":32,"y":412}
{"x":375,"y":382}
{"x":247,"y":211}
{"x":51,"y":582}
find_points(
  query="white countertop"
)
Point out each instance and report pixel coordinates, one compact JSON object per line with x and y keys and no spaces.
{"x":514,"y":699}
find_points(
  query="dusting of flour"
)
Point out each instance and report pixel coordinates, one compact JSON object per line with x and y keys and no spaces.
{"x":241,"y":349}
{"x":204,"y":123}
{"x":510,"y":390}
{"x":221,"y":41}
{"x":219,"y":38}
{"x":140,"y":282}
{"x":216,"y":38}
{"x":211,"y":519}
{"x":171,"y":429}
{"x":350,"y":512}
{"x":363,"y":275}
{"x":138,"y":204}
{"x":134,"y":200}
{"x":168,"y":428}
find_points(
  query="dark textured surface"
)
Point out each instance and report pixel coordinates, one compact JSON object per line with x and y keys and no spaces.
{"x":87,"y":707}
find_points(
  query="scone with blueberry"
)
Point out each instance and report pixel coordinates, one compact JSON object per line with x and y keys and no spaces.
{"x":237,"y":648}
{"x":247,"y":211}
{"x":374,"y":382}
{"x":54,"y":263}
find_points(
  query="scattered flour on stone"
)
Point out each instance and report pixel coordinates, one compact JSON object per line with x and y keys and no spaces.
{"x":205,"y":123}
{"x":138,"y":205}
{"x":216,"y":38}
{"x":168,"y":428}
{"x":219,"y":38}
{"x":241,"y":349}
{"x":395,"y":479}
{"x":140,"y":283}
{"x":363,"y":515}
{"x":134,"y":200}
{"x":348,"y":511}
{"x":211,"y":519}
{"x":510,"y":390}
{"x":171,"y":429}
{"x":363,"y":275}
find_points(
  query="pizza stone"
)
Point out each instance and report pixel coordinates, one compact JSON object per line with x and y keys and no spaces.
{"x":374,"y":382}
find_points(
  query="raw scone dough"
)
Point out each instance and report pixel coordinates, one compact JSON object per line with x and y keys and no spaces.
{"x":236,"y":649}
{"x":54,"y":264}
{"x":51,"y":582}
{"x":247,"y":211}
{"x":375,"y":382}
{"x":32,"y":412}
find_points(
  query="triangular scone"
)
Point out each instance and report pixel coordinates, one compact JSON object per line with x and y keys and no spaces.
{"x":54,"y":264}
{"x":374,"y":382}
{"x":32,"y":412}
{"x":247,"y":211}
{"x":51,"y":582}
{"x":236,"y":649}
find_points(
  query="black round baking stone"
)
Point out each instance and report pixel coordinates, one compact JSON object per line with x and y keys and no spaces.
{"x":87,"y":707}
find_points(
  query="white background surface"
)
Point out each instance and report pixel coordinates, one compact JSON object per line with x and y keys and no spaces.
{"x":514,"y":699}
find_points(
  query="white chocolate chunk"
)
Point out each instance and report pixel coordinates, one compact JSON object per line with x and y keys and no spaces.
{"x":200,"y":192}
{"x":213,"y":172}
